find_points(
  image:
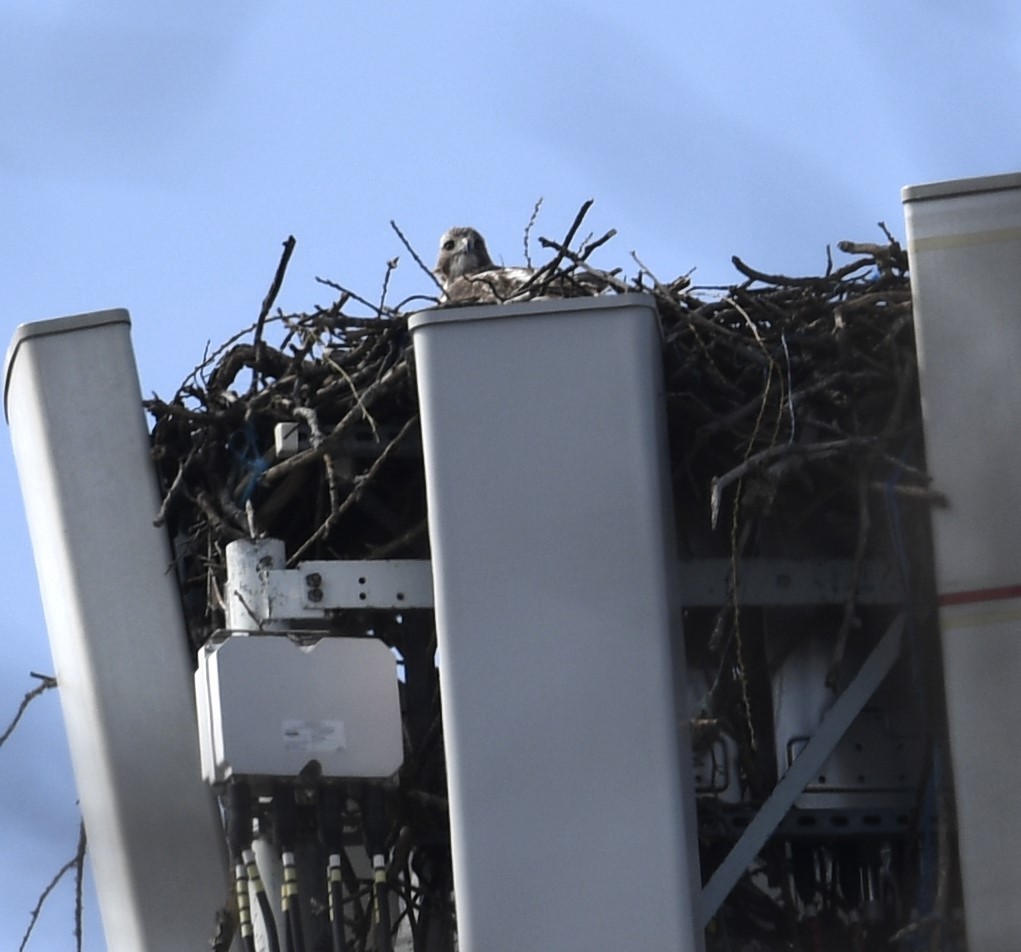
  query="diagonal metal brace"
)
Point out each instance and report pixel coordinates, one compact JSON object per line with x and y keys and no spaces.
{"x":806,"y":765}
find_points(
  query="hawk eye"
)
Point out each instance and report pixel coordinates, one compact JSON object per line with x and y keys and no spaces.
{"x":448,"y":245}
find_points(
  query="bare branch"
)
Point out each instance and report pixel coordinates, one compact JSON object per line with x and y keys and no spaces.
{"x":46,"y":685}
{"x":77,"y":863}
{"x":271,"y":296}
{"x":413,"y":253}
{"x":528,"y":230}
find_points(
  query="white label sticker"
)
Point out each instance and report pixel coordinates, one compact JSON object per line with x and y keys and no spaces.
{"x":314,"y":737}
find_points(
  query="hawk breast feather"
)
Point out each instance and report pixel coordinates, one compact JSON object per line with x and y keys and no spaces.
{"x":490,"y":286}
{"x":468,"y":275}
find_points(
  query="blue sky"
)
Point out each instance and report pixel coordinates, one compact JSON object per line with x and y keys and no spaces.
{"x":154,"y":157}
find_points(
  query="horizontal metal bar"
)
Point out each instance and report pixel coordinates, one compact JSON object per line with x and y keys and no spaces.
{"x":314,"y":588}
{"x":703,"y":582}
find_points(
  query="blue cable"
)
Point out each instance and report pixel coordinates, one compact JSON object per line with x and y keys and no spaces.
{"x":249,"y":459}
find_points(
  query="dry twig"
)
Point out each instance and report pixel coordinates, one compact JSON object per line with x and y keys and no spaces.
{"x":77,"y":863}
{"x":30,"y":696}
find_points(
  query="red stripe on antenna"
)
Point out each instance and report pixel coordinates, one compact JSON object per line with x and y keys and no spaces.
{"x":979,"y":595}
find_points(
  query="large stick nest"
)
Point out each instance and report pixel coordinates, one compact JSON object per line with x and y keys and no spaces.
{"x":783,"y":393}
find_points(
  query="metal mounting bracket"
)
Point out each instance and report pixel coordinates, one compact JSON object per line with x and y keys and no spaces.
{"x":806,"y":765}
{"x":262,"y":593}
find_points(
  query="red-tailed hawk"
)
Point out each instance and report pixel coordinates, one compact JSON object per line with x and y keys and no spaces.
{"x":469,"y":276}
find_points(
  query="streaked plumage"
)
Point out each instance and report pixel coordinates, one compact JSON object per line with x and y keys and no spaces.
{"x":468,"y":274}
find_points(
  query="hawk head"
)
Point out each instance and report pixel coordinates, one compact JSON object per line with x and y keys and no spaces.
{"x":462,"y":252}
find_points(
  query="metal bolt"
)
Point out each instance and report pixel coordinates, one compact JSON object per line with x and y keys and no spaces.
{"x":315,"y":594}
{"x":314,"y":580}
